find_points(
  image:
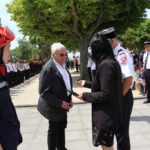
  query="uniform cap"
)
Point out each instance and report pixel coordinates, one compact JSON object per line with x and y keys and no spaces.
{"x":147,"y":43}
{"x":109,"y":33}
{"x":6,"y":36}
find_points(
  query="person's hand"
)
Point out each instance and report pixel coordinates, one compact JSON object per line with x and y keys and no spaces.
{"x":71,"y":104}
{"x":66,"y":105}
{"x":81,"y":82}
{"x":80,"y":96}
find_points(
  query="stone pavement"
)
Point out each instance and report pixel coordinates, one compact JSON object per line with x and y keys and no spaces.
{"x":78,"y":134}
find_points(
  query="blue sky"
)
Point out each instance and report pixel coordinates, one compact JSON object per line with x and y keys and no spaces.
{"x":6,"y":20}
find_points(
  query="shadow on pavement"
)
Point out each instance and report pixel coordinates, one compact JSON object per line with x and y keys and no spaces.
{"x":15,"y":91}
{"x":141,"y":118}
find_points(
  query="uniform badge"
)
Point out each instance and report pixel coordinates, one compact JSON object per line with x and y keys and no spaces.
{"x":122,"y":58}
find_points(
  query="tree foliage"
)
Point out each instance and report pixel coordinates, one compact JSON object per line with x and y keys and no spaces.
{"x":73,"y":22}
{"x":134,"y":37}
{"x":26,"y":50}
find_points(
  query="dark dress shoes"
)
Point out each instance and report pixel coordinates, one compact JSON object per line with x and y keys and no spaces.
{"x":147,"y":101}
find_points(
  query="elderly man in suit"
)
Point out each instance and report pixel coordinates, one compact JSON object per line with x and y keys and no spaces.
{"x":55,"y":84}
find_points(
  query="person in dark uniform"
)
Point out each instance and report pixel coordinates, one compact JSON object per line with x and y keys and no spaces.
{"x":10,"y":136}
{"x":106,"y":95}
{"x":146,"y":66}
{"x":125,"y":60}
{"x":55,"y":86}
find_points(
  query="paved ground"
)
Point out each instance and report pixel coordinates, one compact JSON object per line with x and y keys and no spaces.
{"x":78,"y":134}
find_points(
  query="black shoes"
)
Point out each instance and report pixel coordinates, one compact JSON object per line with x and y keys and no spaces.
{"x":147,"y":101}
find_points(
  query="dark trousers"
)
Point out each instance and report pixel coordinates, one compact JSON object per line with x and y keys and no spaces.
{"x":123,"y":140}
{"x":147,"y":80}
{"x":10,"y":136}
{"x":56,"y":135}
{"x":77,"y":67}
{"x":93,"y":72}
{"x":11,"y":145}
{"x":89,"y":73}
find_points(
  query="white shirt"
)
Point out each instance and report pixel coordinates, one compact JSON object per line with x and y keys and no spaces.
{"x":19,"y":66}
{"x":125,"y":60}
{"x":148,"y":60}
{"x":89,"y":63}
{"x":14,"y":67}
{"x":26,"y":66}
{"x":7,"y":68}
{"x":93,"y":65}
{"x":10,"y":67}
{"x":64,"y":74}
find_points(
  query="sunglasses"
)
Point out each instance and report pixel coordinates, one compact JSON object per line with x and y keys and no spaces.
{"x":63,"y":54}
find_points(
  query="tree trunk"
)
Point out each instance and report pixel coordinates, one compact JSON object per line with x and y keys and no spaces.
{"x":83,"y":48}
{"x":45,"y":52}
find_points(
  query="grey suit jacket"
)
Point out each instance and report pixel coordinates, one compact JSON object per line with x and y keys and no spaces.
{"x":52,"y":92}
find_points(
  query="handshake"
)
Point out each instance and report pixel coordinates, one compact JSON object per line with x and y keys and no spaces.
{"x":73,"y":93}
{"x":79,"y":96}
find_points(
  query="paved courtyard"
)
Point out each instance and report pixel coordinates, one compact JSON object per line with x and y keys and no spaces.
{"x":78,"y":134}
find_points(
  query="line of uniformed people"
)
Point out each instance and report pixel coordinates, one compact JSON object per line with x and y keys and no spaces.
{"x":18,"y":71}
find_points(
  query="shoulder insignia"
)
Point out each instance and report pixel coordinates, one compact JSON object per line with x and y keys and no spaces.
{"x":122,"y":58}
{"x":120,"y":50}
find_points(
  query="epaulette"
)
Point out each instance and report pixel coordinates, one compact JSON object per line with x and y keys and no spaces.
{"x":121,"y":57}
{"x":120,"y":51}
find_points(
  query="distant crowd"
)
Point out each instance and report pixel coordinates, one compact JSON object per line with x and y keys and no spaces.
{"x":139,"y":80}
{"x":74,"y":63}
{"x":20,"y":70}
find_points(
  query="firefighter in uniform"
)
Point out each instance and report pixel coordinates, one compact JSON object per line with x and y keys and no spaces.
{"x":146,"y":66}
{"x":10,"y":136}
{"x":125,"y":60}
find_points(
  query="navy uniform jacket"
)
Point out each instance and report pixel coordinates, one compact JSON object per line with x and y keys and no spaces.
{"x":9,"y":123}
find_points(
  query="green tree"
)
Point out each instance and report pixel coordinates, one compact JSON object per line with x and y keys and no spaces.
{"x":44,"y":48}
{"x":134,"y":37}
{"x":26,"y":50}
{"x":73,"y":22}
